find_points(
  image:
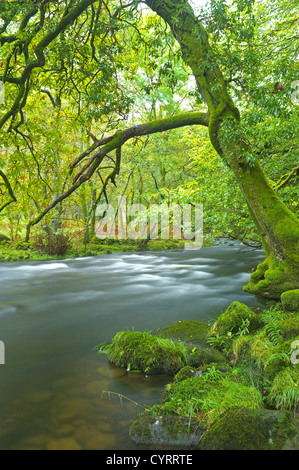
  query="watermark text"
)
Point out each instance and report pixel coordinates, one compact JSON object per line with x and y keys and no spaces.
{"x":158,"y":221}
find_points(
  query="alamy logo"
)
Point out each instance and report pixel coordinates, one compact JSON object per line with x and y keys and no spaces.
{"x":158,"y":221}
{"x":2,"y":353}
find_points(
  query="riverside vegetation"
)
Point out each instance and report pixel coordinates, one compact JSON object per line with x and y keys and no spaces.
{"x":61,"y":246}
{"x":234,"y":385}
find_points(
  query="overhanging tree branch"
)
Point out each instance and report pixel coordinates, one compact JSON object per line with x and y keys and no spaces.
{"x":120,"y":137}
{"x":115,"y":142}
{"x":286,"y":178}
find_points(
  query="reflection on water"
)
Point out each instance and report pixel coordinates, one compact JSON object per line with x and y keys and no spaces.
{"x":53,"y":313}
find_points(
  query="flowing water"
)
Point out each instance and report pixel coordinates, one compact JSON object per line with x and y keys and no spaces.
{"x":55,"y":391}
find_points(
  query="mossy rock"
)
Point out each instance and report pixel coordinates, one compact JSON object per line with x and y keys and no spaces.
{"x":143,"y":351}
{"x":284,"y":392}
{"x":290,"y":300}
{"x":279,"y":360}
{"x":268,"y":358}
{"x":183,"y":374}
{"x":165,"y":430}
{"x":247,"y":429}
{"x":236,"y":317}
{"x":289,"y":327}
{"x":206,"y":397}
{"x":154,"y":355}
{"x":191,"y":331}
{"x":201,"y":356}
{"x":272,"y":277}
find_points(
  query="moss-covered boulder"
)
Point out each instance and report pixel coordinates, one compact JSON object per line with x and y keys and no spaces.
{"x":165,"y":430}
{"x":189,"y":331}
{"x":237,"y":317}
{"x":290,"y":300}
{"x":289,"y":326}
{"x":258,"y":351}
{"x":284,"y":391}
{"x":247,"y":429}
{"x":201,"y":356}
{"x":206,"y":397}
{"x":145,"y":352}
{"x":154,"y":355}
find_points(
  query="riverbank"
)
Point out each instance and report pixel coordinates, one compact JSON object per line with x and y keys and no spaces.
{"x":235,"y":382}
{"x":31,"y":251}
{"x":22,"y":251}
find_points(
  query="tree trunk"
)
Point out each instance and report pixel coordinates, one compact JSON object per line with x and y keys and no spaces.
{"x":276,"y":224}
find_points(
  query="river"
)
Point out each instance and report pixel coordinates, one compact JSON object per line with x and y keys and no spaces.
{"x":53,"y":385}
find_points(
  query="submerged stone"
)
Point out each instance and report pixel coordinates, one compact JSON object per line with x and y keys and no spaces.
{"x":66,"y":443}
{"x":165,"y":430}
{"x":247,"y":429}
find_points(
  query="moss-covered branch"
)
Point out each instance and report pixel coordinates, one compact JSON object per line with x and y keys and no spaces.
{"x":119,"y":138}
{"x":284,"y":180}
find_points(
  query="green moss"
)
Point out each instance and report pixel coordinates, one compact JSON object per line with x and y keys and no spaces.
{"x":290,"y":300}
{"x":207,"y":397}
{"x":284,"y":392}
{"x":143,"y":351}
{"x":272,"y":278}
{"x":279,"y":231}
{"x":247,"y":429}
{"x":267,"y":357}
{"x":154,"y":355}
{"x":278,"y":360}
{"x":191,"y":331}
{"x":249,"y":347}
{"x":236,"y":317}
{"x":289,"y":326}
{"x":185,"y":373}
{"x":201,"y":356}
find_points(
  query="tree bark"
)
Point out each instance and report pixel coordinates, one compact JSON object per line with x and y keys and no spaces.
{"x":276,"y":224}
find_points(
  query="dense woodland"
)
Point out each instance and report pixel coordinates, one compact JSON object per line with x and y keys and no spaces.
{"x":157,"y":101}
